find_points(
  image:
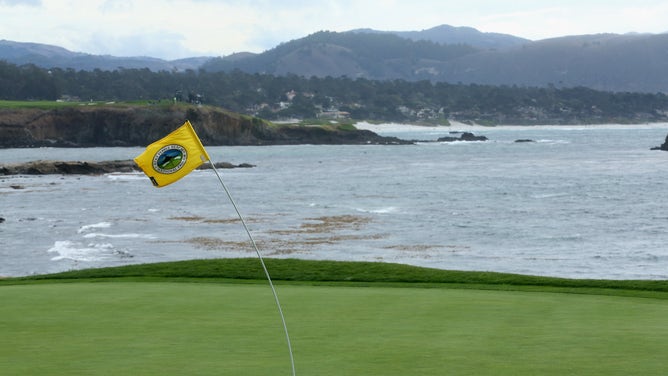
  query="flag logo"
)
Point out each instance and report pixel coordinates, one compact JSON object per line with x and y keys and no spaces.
{"x":173,"y":156}
{"x":170,"y":159}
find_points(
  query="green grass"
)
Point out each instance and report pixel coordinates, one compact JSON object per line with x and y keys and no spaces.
{"x":248,"y":270}
{"x":211,"y":317}
{"x":37,"y":104}
{"x":48,"y":105}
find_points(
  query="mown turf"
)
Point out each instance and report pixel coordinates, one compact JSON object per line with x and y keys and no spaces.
{"x":167,"y":328}
{"x":345,"y":318}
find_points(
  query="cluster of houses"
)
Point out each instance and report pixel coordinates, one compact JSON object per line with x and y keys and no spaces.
{"x":333,"y":112}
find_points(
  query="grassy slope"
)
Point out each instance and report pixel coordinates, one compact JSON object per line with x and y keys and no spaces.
{"x":329,"y":272}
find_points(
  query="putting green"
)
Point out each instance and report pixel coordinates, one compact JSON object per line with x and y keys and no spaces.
{"x":167,"y":328}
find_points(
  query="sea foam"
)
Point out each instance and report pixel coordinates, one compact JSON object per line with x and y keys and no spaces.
{"x":68,"y":250}
{"x":119,"y":236}
{"x":85,"y":228}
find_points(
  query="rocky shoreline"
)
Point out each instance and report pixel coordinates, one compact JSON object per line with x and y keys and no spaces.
{"x":43,"y":167}
{"x":140,"y":125}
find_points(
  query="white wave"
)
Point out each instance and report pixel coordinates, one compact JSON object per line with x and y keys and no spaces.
{"x":94,"y":226}
{"x":67,"y":250}
{"x":396,"y":127}
{"x":119,"y":236}
{"x":385,"y":210}
{"x":125,"y":176}
{"x":457,"y":126}
{"x":549,"y":195}
{"x":454,"y":143}
{"x":545,"y":141}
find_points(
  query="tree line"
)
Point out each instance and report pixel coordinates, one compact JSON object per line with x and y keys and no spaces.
{"x":292,"y":96}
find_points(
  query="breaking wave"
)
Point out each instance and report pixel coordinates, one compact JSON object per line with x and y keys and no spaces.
{"x":68,"y":250}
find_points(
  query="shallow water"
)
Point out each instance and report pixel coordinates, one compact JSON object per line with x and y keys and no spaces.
{"x":583,"y":202}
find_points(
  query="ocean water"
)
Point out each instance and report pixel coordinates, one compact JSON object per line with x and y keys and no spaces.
{"x":579,"y":201}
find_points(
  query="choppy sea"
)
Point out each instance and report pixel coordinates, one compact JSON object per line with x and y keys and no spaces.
{"x":578,"y":201}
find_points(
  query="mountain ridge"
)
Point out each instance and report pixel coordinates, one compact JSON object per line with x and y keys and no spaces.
{"x":447,"y":34}
{"x":609,"y":62}
{"x":50,"y":56}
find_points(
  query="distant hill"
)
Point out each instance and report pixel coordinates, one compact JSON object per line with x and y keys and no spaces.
{"x":48,"y":56}
{"x":377,"y":56}
{"x":446,"y":34}
{"x":608,"y":62}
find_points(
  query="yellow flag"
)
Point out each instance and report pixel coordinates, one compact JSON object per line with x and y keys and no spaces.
{"x":172,"y":157}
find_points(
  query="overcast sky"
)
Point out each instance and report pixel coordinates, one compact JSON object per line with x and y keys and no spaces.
{"x":172,"y":29}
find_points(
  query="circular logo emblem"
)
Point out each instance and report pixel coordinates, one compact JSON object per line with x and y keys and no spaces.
{"x":169,"y":159}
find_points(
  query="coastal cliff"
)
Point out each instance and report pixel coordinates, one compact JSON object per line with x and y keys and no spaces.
{"x":139,"y":125}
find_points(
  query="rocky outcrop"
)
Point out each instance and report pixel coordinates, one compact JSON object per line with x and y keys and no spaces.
{"x":139,"y":125}
{"x":85,"y":168}
{"x":663,"y":146}
{"x":466,"y":136}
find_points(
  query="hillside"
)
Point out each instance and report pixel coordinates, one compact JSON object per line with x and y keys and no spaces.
{"x":608,"y":62}
{"x":377,"y":56}
{"x":48,"y":56}
{"x":446,"y":34}
{"x":139,"y":125}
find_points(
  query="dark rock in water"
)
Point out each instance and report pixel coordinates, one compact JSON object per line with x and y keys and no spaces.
{"x":72,"y":167}
{"x":207,"y":166}
{"x":466,"y":136}
{"x":663,"y":146}
{"x":524,"y":140}
{"x":2,"y":220}
{"x":84,"y":168}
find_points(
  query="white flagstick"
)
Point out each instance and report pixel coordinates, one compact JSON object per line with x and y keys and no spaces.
{"x":266,"y":272}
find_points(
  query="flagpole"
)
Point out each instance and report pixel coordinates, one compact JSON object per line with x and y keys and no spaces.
{"x":264,"y":267}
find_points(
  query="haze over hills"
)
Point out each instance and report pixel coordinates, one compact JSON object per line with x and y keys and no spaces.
{"x":48,"y":56}
{"x":609,"y":62}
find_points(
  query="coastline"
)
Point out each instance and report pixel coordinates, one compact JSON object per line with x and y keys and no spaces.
{"x":44,"y":167}
{"x":459,"y":126}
